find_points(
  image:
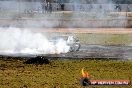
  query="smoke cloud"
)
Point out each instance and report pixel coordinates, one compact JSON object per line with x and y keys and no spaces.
{"x":14,"y":15}
{"x":93,"y":15}
{"x":15,"y":40}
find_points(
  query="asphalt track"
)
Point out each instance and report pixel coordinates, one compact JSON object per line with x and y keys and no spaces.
{"x":114,"y":52}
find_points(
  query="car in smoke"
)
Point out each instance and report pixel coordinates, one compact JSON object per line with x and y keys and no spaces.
{"x":71,"y":41}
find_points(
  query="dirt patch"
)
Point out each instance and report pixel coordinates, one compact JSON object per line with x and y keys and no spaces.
{"x":87,"y":30}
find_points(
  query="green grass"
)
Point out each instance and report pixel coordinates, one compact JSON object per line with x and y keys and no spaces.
{"x":61,"y":73}
{"x":105,"y":39}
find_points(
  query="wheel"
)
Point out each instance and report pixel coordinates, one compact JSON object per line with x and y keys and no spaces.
{"x":71,"y":49}
{"x":76,"y":47}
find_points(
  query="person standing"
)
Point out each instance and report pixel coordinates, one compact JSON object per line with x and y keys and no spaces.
{"x":118,"y":7}
{"x":62,"y":6}
{"x":50,"y":7}
{"x":44,"y":7}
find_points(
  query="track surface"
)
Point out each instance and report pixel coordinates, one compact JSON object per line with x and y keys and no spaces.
{"x":120,"y":52}
{"x":96,"y":51}
{"x":89,"y":52}
{"x":86,"y":30}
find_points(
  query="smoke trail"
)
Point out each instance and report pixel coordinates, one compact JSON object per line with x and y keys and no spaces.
{"x":105,"y":14}
{"x":15,"y":40}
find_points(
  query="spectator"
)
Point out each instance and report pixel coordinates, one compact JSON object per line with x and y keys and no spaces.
{"x":50,"y":7}
{"x":62,"y":7}
{"x":118,"y":7}
{"x":47,"y":5}
{"x":44,"y":6}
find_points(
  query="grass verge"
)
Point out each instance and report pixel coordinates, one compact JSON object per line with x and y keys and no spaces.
{"x":105,"y":39}
{"x":61,"y":73}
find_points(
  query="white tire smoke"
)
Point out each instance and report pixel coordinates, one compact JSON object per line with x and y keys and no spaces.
{"x":15,"y":40}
